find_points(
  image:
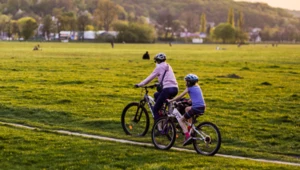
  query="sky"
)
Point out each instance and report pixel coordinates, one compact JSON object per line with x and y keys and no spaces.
{"x":287,"y":4}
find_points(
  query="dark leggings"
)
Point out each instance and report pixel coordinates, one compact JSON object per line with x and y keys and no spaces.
{"x":194,"y":111}
{"x":161,"y":97}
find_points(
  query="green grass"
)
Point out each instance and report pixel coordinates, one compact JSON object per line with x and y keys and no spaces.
{"x":252,"y":93}
{"x":24,"y":149}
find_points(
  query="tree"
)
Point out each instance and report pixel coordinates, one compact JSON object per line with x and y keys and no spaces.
{"x":203,"y":23}
{"x":191,"y":21}
{"x":230,"y":18}
{"x":82,"y":21}
{"x":290,"y":32}
{"x":165,"y":19}
{"x":89,"y":28}
{"x":15,"y":28}
{"x":240,"y":35}
{"x":106,"y":12}
{"x":80,"y":4}
{"x":67,"y":5}
{"x":8,"y":28}
{"x":27,"y":26}
{"x":47,"y":24}
{"x":90,"y":5}
{"x":135,"y":32}
{"x":11,"y":28}
{"x":224,"y":31}
{"x":67,"y":21}
{"x":12,"y":6}
{"x":241,"y":21}
{"x":43,"y":7}
{"x":176,"y":26}
{"x":4,"y":20}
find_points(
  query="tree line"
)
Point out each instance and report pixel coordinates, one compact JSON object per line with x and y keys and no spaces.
{"x":130,"y":19}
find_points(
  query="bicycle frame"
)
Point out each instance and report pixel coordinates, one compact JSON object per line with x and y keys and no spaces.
{"x":206,"y":137}
{"x":148,"y":99}
{"x":175,"y":113}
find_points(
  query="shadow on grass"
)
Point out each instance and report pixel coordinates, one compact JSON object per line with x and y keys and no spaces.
{"x":233,"y":76}
{"x":21,"y":114}
{"x":56,"y":119}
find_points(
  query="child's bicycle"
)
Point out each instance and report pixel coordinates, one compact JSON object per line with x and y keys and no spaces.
{"x":206,"y":135}
{"x":135,"y":118}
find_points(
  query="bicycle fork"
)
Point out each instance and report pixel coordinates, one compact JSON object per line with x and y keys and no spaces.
{"x":203,"y":137}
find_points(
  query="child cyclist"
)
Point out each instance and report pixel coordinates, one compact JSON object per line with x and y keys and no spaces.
{"x":198,"y":104}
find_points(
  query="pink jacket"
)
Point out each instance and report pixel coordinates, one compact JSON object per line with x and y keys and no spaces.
{"x":169,"y":80}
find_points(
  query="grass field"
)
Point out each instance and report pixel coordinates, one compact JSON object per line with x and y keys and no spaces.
{"x":252,"y":93}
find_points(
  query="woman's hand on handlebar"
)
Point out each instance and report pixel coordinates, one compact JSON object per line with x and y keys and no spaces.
{"x":169,"y":100}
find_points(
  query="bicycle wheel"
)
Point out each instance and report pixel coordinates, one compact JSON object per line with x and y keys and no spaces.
{"x":163,"y":133}
{"x":207,"y":139}
{"x":135,"y":119}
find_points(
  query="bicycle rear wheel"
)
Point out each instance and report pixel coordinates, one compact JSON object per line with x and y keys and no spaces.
{"x":135,"y":120}
{"x":163,"y":133}
{"x":207,"y":139}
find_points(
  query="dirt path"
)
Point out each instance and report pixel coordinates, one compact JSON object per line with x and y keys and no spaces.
{"x":142,"y":144}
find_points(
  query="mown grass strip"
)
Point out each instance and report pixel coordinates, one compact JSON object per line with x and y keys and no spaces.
{"x":42,"y":150}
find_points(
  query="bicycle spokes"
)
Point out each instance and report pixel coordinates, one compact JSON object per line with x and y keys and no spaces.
{"x":163,"y":133}
{"x":207,"y":140}
{"x":137,"y":115}
{"x":135,"y":120}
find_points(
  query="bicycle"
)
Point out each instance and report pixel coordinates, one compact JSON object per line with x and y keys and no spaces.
{"x":206,"y":136}
{"x":135,"y":118}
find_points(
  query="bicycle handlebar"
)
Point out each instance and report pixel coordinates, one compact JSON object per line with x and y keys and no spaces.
{"x":150,"y":86}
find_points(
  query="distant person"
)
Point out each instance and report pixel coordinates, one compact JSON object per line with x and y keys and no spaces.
{"x":37,"y":47}
{"x":170,"y":44}
{"x":219,"y":48}
{"x":146,"y":56}
{"x":112,"y":43}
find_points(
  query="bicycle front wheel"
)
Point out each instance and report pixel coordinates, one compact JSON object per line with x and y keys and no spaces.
{"x":135,"y":120}
{"x":207,"y":139}
{"x":163,"y":133}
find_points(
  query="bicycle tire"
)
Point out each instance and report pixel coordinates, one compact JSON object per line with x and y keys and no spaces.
{"x":211,"y":144}
{"x":135,"y":120}
{"x":164,"y":137}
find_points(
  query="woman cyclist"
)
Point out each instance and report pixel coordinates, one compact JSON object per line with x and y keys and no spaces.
{"x":166,"y":77}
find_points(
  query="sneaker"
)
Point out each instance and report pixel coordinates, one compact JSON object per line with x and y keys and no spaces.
{"x":188,"y":141}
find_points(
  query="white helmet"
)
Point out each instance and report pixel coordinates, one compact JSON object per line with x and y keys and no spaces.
{"x":160,"y":57}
